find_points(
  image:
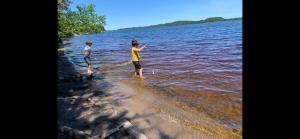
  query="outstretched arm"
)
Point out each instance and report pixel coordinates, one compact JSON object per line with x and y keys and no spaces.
{"x":141,"y":49}
{"x":93,"y":56}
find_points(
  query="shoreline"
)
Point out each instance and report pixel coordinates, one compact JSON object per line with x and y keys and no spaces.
{"x":96,"y":106}
{"x":172,"y":116}
{"x":85,"y":112}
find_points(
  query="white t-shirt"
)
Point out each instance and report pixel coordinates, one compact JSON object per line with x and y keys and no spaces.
{"x":87,"y":50}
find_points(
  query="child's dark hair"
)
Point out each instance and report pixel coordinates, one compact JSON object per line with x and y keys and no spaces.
{"x":134,"y":43}
{"x":89,"y":43}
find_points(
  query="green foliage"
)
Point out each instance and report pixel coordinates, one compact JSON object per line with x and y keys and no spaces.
{"x":214,"y":19}
{"x":63,"y":5}
{"x":81,"y":21}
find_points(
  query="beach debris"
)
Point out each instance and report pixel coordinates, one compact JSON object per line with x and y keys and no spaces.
{"x":66,"y":98}
{"x":91,"y":101}
{"x":74,"y":133}
{"x":125,"y":125}
{"x":86,"y":95}
{"x":74,"y":97}
{"x":85,"y":85}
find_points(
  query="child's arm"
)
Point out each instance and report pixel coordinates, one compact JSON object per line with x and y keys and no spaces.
{"x":93,"y":55}
{"x":141,"y":49}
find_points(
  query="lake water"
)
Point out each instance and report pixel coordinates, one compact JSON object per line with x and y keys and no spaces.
{"x":199,"y":65}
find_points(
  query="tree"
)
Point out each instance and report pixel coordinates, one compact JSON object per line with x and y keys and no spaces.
{"x":83,"y":20}
{"x":62,"y":5}
{"x":214,"y":19}
{"x":101,"y":20}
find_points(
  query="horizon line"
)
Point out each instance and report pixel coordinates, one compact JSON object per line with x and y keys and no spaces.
{"x":167,"y":22}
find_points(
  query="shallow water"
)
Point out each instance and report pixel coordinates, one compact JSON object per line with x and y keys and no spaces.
{"x":199,"y":65}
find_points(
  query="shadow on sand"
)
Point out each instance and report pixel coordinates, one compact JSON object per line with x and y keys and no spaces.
{"x":85,"y":105}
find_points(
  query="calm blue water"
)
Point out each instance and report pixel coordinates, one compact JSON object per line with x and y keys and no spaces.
{"x":205,"y":59}
{"x":198,"y":56}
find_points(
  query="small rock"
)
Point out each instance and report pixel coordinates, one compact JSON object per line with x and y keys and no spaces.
{"x":99,"y":103}
{"x":235,"y":130}
{"x":74,"y":97}
{"x":71,"y":90}
{"x":85,"y":85}
{"x":88,"y":132}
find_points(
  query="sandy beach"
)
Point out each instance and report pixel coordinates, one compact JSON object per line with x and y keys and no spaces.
{"x":97,"y":106}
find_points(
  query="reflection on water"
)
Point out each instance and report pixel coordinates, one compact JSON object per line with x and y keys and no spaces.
{"x":199,"y":64}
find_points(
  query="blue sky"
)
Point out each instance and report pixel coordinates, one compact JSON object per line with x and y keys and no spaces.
{"x":134,"y":13}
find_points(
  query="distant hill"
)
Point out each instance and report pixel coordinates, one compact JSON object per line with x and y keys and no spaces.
{"x":211,"y":19}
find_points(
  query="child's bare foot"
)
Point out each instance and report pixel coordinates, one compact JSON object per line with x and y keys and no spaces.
{"x":142,"y":77}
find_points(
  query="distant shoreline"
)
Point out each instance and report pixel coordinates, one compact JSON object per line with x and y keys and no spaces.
{"x":207,"y":20}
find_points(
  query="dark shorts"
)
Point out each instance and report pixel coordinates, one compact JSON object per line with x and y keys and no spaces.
{"x":137,"y":64}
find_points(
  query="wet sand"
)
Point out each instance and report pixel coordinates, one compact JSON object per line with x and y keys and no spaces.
{"x":97,"y":106}
{"x":164,"y":117}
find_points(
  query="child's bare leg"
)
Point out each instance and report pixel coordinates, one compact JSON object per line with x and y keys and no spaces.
{"x":141,"y":73}
{"x":89,"y":70}
{"x":136,"y":72}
